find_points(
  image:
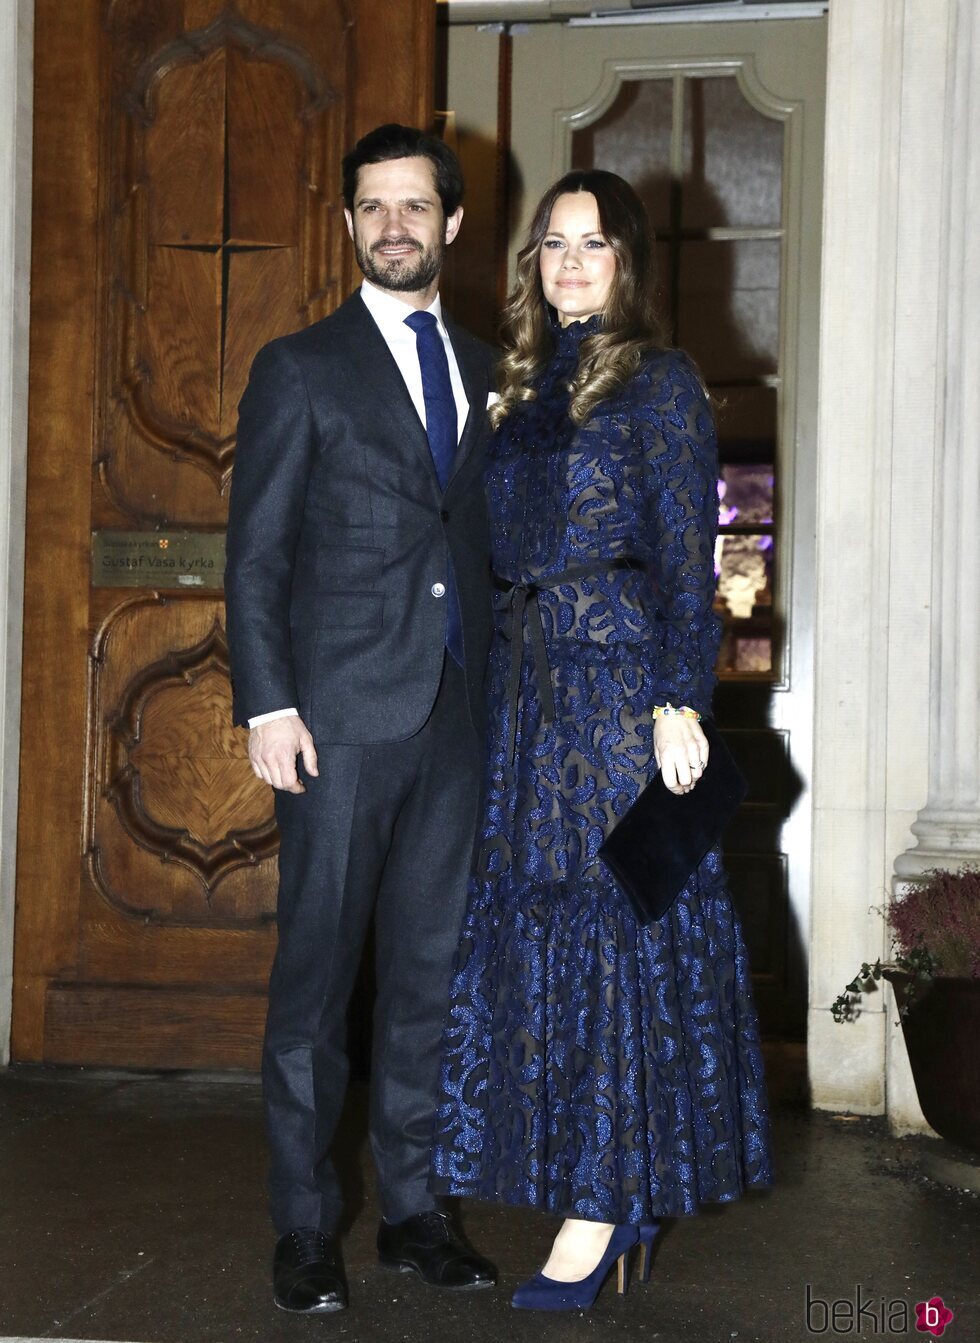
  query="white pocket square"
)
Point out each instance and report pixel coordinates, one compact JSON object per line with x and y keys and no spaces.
{"x":491,"y":398}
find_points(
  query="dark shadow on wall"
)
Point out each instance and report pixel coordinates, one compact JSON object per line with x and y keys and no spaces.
{"x":475,"y":274}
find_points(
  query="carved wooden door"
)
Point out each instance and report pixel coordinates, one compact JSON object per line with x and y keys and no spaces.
{"x":187,"y":166}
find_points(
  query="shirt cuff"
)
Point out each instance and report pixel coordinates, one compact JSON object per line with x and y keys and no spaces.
{"x":269,"y":717}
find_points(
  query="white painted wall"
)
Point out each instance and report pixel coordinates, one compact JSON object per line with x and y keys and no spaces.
{"x":16,"y":106}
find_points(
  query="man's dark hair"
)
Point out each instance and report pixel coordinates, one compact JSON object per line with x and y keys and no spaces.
{"x":406,"y":142}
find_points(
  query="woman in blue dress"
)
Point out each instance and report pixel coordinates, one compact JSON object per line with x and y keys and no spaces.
{"x":593,"y":1067}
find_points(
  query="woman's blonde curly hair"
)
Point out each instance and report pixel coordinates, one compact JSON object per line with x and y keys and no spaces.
{"x":631,"y":326}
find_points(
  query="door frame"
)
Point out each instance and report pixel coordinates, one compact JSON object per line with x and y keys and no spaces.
{"x":16,"y":139}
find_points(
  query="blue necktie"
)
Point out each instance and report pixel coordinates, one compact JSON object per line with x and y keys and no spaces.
{"x":441,"y":426}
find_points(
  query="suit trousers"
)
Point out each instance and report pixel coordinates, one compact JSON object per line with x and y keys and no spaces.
{"x":385,"y":830}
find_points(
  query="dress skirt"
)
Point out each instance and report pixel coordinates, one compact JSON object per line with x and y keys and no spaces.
{"x":592,"y":1067}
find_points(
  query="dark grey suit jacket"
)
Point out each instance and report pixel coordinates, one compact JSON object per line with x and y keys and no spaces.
{"x":338,"y":532}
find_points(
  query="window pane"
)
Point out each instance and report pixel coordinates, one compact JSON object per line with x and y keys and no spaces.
{"x":746,"y":418}
{"x":633,"y":139}
{"x":745,"y":493}
{"x":729,"y":307}
{"x":744,"y":565}
{"x":733,"y":159}
{"x":753,"y":653}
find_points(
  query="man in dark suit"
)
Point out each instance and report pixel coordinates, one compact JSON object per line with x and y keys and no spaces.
{"x":358,"y":625}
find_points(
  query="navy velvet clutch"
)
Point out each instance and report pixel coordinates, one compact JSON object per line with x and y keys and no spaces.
{"x":655,"y":847}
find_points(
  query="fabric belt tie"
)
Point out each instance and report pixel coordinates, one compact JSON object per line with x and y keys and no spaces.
{"x":524,"y":603}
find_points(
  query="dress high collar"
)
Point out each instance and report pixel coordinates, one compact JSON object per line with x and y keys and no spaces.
{"x":570,"y":337}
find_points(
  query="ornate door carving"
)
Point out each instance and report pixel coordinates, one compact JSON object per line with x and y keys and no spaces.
{"x":186,"y":211}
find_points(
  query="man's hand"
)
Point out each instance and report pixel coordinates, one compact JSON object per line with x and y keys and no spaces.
{"x":681,"y":751}
{"x":273,"y":748}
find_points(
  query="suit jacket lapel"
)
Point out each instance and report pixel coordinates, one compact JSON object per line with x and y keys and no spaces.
{"x":473,"y":373}
{"x":375,"y":364}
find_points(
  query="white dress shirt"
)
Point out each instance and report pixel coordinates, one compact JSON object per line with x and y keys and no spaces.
{"x":389,"y":313}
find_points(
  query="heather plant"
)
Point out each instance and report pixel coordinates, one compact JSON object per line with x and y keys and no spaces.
{"x":935,"y":927}
{"x":941,"y":914}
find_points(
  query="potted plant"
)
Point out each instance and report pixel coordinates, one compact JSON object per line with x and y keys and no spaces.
{"x":935,"y":928}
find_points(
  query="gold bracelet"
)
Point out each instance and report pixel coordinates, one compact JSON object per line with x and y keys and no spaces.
{"x":665,"y":710}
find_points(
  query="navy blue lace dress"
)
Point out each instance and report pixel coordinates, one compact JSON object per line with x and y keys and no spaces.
{"x":593,"y":1067}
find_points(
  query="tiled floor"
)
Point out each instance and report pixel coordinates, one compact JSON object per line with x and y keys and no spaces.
{"x":131,"y":1208}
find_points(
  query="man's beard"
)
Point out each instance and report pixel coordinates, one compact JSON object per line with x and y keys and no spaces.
{"x":398,"y":275}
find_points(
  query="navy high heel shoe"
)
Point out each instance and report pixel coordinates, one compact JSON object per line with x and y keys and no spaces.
{"x":648,"y":1234}
{"x":541,"y":1293}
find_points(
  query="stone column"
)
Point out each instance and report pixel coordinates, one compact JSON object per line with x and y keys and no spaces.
{"x":881,"y":386}
{"x":16,"y":95}
{"x":947,"y":828}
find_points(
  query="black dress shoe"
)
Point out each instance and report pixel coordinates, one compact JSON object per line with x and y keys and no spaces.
{"x":308,"y":1272}
{"x":427,"y":1245}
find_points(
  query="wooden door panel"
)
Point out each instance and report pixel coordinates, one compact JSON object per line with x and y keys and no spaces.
{"x":196,"y":1029}
{"x":166,"y":765}
{"x":228,"y":138}
{"x":177,"y":129}
{"x":186,"y":211}
{"x":264,"y":146}
{"x":262,"y":291}
{"x":180,"y":349}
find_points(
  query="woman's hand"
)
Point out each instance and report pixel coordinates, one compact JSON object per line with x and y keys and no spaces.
{"x":681,"y":751}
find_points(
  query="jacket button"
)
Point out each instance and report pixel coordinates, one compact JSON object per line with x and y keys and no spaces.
{"x":438,"y":589}
{"x":444,"y":515}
